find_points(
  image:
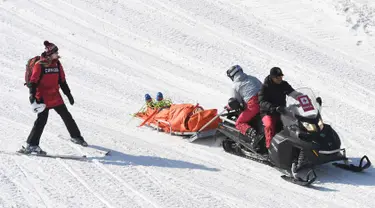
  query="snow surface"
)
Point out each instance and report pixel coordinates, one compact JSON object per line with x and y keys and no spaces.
{"x":115,"y":51}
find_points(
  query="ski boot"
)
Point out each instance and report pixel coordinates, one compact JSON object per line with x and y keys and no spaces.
{"x":159,"y":96}
{"x":32,"y":149}
{"x":255,"y":138}
{"x":79,"y":140}
{"x":149,"y":102}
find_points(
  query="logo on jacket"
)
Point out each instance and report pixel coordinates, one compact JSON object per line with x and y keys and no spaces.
{"x":51,"y":70}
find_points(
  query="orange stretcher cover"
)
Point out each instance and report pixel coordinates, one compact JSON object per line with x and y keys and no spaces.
{"x":180,"y":118}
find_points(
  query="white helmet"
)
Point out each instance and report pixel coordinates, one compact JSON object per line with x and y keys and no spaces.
{"x":233,"y":71}
{"x":38,"y":107}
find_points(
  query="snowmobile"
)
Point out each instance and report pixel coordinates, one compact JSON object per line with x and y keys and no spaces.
{"x":303,"y":140}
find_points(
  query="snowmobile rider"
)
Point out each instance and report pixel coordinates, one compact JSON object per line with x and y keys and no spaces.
{"x":47,"y":75}
{"x":245,"y":91}
{"x":272,"y":101}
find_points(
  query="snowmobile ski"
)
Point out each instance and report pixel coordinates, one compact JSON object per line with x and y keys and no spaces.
{"x":295,"y":177}
{"x":355,"y":168}
{"x":300,"y":181}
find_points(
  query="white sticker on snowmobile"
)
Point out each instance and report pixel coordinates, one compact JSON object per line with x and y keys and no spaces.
{"x":305,"y":103}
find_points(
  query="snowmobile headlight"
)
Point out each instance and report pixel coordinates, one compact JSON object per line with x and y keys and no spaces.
{"x":321,"y":124}
{"x":309,"y":126}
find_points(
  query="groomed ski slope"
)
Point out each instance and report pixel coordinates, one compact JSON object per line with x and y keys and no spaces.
{"x":115,"y":51}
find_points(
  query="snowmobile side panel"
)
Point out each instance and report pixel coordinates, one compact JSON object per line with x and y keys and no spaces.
{"x":281,"y":151}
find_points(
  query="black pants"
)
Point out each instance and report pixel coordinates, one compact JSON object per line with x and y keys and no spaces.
{"x":41,"y":121}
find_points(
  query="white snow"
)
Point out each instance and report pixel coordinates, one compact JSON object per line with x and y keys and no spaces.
{"x":115,"y":51}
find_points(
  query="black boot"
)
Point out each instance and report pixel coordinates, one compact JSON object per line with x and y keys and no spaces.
{"x":255,"y":137}
{"x":79,"y":140}
{"x":251,"y":132}
{"x":29,"y":149}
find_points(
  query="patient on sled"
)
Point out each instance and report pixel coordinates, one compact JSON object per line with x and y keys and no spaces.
{"x":171,"y":117}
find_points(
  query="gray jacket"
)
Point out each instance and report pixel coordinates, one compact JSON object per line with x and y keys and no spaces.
{"x":245,"y":87}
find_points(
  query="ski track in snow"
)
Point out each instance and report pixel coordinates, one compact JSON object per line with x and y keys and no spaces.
{"x":114,"y":52}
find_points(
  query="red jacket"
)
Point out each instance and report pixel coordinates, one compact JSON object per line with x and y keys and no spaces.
{"x":48,"y":83}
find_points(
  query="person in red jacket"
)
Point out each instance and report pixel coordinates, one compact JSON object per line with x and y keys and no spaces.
{"x":46,"y":79}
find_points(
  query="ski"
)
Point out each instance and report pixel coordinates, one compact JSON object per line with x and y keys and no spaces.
{"x":61,"y":156}
{"x":92,"y":151}
{"x":70,"y":157}
{"x":93,"y":147}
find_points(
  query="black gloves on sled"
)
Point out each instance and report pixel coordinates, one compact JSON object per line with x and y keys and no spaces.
{"x":66,"y":90}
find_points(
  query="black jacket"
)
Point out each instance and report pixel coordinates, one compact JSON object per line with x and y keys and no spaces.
{"x":272,"y":95}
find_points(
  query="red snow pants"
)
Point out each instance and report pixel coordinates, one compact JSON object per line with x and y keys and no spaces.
{"x":252,"y":109}
{"x":269,"y":123}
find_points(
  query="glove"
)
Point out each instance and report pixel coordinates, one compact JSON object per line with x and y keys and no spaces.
{"x":280,"y":109}
{"x":32,"y":98}
{"x":319,"y":100}
{"x":227,"y":108}
{"x":65,"y":88}
{"x":32,"y":91}
{"x":71,"y":99}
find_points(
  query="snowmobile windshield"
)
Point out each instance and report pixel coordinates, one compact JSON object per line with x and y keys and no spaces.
{"x":305,"y":105}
